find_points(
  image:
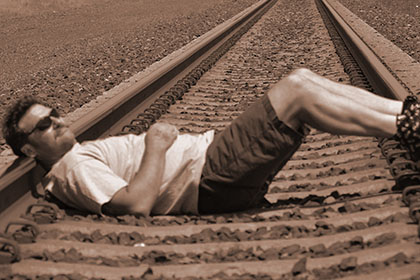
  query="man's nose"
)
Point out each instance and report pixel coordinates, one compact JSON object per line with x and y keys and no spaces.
{"x":57,"y":122}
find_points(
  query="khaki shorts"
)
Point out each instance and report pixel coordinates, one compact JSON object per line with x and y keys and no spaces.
{"x":244,"y":158}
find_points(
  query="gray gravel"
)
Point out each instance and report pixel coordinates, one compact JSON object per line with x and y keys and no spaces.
{"x":396,"y":20}
{"x":68,"y":55}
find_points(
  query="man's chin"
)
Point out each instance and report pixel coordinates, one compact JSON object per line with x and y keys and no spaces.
{"x":66,"y":141}
{"x":65,"y":135}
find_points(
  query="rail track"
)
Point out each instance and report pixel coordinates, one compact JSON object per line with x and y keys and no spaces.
{"x":338,"y":208}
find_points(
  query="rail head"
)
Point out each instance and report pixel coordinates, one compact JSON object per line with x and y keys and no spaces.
{"x":379,"y":76}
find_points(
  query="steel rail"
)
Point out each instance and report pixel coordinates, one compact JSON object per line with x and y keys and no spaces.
{"x":380,"y":78}
{"x":20,"y":179}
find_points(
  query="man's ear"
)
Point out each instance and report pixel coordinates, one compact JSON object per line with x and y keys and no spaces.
{"x":28,"y":150}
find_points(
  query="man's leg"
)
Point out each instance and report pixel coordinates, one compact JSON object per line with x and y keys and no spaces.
{"x":361,"y":96}
{"x":306,"y":98}
{"x":244,"y":157}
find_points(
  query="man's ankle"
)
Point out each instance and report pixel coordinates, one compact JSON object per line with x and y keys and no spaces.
{"x":408,"y":126}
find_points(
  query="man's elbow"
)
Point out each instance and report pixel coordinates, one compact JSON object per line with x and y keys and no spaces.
{"x":125,"y":203}
{"x":139,"y":211}
{"x":120,"y":210}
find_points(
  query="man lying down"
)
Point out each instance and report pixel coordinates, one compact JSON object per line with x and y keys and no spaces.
{"x":163,"y":172}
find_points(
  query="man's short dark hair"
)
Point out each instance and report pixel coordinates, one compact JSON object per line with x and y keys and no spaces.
{"x":13,"y":135}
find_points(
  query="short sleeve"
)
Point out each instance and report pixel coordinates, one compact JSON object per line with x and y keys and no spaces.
{"x":93,"y":184}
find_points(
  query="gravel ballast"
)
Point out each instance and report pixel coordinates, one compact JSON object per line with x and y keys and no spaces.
{"x":69,"y":52}
{"x":398,"y":21}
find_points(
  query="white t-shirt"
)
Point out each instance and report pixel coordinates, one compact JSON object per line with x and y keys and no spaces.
{"x":90,"y":174}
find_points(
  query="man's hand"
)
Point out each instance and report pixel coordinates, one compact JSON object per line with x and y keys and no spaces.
{"x":161,"y":136}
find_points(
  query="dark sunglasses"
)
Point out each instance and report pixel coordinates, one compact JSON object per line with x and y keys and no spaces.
{"x":45,"y":122}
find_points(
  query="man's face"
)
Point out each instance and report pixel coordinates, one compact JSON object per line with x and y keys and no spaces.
{"x":48,"y":143}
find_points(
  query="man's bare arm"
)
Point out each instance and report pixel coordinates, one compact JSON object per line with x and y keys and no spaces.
{"x":140,"y":195}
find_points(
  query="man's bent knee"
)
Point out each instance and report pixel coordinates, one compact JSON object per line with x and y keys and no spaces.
{"x":295,"y":82}
{"x":302,"y":72}
{"x":287,"y":98}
